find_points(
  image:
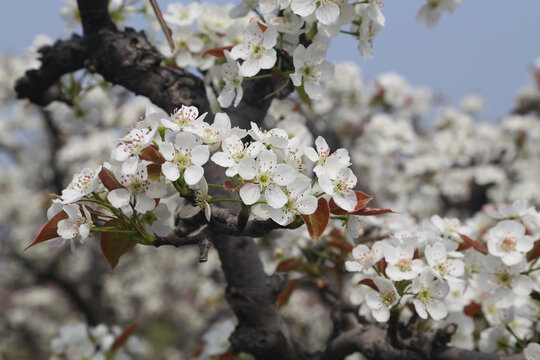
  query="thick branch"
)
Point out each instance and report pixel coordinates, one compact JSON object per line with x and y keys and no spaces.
{"x":373,"y":342}
{"x":39,"y":86}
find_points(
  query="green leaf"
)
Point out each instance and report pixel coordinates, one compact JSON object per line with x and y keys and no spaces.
{"x":317,"y":222}
{"x":114,"y":245}
{"x":49,"y":230}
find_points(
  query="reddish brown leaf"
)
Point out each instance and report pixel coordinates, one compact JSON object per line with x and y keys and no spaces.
{"x":108,"y":179}
{"x":114,"y":245}
{"x":227,"y":356}
{"x":218,"y":51}
{"x":381,"y":266}
{"x":367,"y":211}
{"x":341,"y":245}
{"x":362,"y":198}
{"x":289,"y":264}
{"x":317,"y":222}
{"x":535,"y":252}
{"x":48,"y":230}
{"x":286,"y":294}
{"x":368,"y":282}
{"x":154,"y":172}
{"x":473,"y":310}
{"x":229,"y":185}
{"x":475,"y":244}
{"x":122,"y":338}
{"x":151,"y":153}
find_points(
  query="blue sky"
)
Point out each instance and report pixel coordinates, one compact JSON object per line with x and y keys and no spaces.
{"x":486,"y":46}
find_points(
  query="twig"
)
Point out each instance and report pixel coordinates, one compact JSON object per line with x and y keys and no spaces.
{"x":164,"y":27}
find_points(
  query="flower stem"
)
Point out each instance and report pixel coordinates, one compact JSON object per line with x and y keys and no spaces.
{"x":519,"y":342}
{"x":221,"y":200}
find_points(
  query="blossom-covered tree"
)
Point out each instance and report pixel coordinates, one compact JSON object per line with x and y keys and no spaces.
{"x":343,"y":229}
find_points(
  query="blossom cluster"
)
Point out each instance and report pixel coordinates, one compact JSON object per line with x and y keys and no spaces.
{"x":455,"y":272}
{"x":161,"y":158}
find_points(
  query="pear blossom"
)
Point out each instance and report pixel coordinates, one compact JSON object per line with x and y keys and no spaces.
{"x":131,"y":146}
{"x":185,"y":158}
{"x":277,"y":138}
{"x":311,"y":69}
{"x":182,"y":15}
{"x":77,"y":225}
{"x":220,"y":128}
{"x":429,"y":293}
{"x":326,"y":161}
{"x":81,"y":185}
{"x":505,"y":282}
{"x":185,"y":118}
{"x":186,"y":43}
{"x":508,"y":241}
{"x":437,"y":258}
{"x":430,"y":12}
{"x":364,"y":257}
{"x":257,"y":50}
{"x":339,"y":185}
{"x":233,"y":152}
{"x":370,"y":20}
{"x":401,"y":265}
{"x":230,"y":75}
{"x":266,"y":177}
{"x":327,"y":12}
{"x":299,"y":201}
{"x":138,"y":188}
{"x":380,"y":302}
{"x":495,"y":340}
{"x":532,"y":351}
{"x":158,"y":223}
{"x":284,"y":21}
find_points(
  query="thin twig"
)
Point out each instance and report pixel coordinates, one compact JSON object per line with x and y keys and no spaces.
{"x":163,"y":25}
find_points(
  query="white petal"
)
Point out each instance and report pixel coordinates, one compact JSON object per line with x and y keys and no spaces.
{"x":327,"y":13}
{"x":223,"y":159}
{"x":346,"y":201}
{"x":119,"y":197}
{"x":167,"y":150}
{"x":170,"y":171}
{"x":156,"y":190}
{"x":193,"y":174}
{"x":250,"y":193}
{"x":200,"y":155}
{"x":247,"y":168}
{"x":268,"y":59}
{"x":353,"y":266}
{"x":129,"y":166}
{"x":250,"y":67}
{"x":144,"y":203}
{"x":285,"y":174}
{"x":275,"y":197}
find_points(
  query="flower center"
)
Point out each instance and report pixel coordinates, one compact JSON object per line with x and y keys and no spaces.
{"x":404,"y":264}
{"x":504,"y":279}
{"x":509,"y":244}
